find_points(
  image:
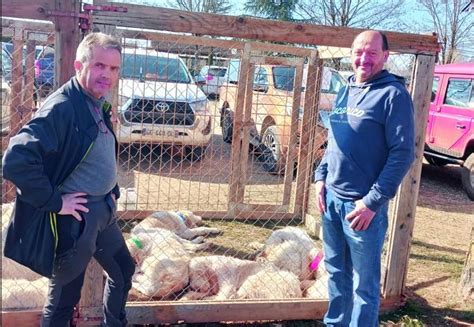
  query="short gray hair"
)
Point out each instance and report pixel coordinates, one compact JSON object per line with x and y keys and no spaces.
{"x":84,"y":50}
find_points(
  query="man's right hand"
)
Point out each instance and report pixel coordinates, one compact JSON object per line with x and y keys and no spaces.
{"x":321,"y":196}
{"x":73,"y":203}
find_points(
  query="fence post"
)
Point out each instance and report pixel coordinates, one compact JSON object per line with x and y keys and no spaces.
{"x":9,"y":190}
{"x":403,"y":214}
{"x":67,"y":39}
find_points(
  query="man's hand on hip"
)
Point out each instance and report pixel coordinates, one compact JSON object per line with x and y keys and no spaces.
{"x":320,"y":196}
{"x":73,"y":203}
{"x":360,"y":217}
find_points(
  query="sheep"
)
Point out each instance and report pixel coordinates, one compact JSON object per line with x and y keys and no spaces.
{"x":271,"y":284}
{"x":291,"y":249}
{"x":24,"y":294}
{"x":184,"y":224}
{"x":162,"y":262}
{"x":218,"y":277}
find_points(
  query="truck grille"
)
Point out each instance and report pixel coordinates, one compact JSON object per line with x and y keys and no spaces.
{"x":158,"y":112}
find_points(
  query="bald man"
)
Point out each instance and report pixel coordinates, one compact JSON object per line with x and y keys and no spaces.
{"x":370,"y":149}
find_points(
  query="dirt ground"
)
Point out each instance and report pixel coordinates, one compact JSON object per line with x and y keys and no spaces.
{"x":441,"y":237}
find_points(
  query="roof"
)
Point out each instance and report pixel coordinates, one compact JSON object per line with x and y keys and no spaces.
{"x":457,"y":68}
{"x":148,"y":52}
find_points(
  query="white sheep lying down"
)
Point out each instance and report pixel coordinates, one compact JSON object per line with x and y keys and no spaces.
{"x":162,"y":261}
{"x":185,"y":224}
{"x":219,"y":277}
{"x":24,"y":294}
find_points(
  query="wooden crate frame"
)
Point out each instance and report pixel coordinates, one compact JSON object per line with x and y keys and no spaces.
{"x":425,"y":47}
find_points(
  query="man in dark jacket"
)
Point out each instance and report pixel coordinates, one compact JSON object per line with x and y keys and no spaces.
{"x":370,"y":149}
{"x":63,"y":163}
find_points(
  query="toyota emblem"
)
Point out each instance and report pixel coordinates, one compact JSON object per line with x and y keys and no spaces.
{"x":161,"y":107}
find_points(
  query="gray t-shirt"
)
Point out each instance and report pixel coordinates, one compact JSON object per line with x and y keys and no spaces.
{"x":97,"y":173}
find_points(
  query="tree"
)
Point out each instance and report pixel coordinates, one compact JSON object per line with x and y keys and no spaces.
{"x":452,"y":25}
{"x":272,"y":9}
{"x":353,"y":13}
{"x":207,"y":6}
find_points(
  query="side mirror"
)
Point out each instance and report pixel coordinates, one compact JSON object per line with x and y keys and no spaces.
{"x":260,"y":87}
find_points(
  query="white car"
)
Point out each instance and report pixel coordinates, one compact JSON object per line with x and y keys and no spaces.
{"x":211,"y":78}
{"x":161,"y":104}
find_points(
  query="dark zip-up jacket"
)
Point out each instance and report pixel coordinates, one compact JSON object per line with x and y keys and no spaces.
{"x":38,"y":160}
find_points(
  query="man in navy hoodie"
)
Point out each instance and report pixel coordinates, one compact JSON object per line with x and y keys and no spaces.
{"x":370,"y":149}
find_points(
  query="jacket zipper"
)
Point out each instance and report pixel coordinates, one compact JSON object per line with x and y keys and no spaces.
{"x":52,"y":215}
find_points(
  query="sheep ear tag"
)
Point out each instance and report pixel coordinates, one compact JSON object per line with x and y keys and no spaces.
{"x":182,"y":216}
{"x":316,"y":261}
{"x":137,"y":243}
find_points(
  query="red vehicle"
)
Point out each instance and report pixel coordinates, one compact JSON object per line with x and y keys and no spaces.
{"x":450,"y":130}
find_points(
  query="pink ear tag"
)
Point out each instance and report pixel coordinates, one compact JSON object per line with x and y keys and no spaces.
{"x":316,"y":261}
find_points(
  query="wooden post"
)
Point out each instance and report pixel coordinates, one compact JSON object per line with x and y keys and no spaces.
{"x":235,"y":182}
{"x":8,"y":188}
{"x":90,"y":307}
{"x":67,"y":39}
{"x":28,"y":89}
{"x":310,"y":118}
{"x":403,"y":214}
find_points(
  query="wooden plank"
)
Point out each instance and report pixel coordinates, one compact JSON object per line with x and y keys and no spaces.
{"x":46,"y":27}
{"x":292,"y":149}
{"x":15,"y":103}
{"x":90,"y":305}
{"x":40,"y":9}
{"x":211,"y":42}
{"x":234,"y":181}
{"x":404,"y":208}
{"x":23,"y":318}
{"x":28,"y":89}
{"x":245,"y":136}
{"x":254,"y":28}
{"x":308,"y":125}
{"x":196,"y":312}
{"x":67,"y":38}
{"x":260,"y":213}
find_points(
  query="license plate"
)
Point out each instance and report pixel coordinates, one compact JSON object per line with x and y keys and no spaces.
{"x":160,"y":132}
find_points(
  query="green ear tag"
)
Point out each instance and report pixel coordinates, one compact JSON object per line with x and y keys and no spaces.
{"x":137,"y":242}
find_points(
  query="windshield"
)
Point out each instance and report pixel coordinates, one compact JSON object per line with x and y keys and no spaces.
{"x":154,"y":68}
{"x":220,"y":72}
{"x":283,"y":78}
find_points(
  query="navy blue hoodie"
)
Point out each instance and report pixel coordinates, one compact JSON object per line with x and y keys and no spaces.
{"x":370,"y":140}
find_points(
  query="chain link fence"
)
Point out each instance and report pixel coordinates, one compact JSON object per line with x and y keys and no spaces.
{"x":220,"y":129}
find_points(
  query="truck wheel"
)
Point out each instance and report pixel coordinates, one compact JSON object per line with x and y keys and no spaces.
{"x":467,"y":176}
{"x":271,"y":154}
{"x":227,"y":127}
{"x":435,"y":161}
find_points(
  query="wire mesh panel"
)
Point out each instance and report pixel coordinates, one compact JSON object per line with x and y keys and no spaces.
{"x":223,"y":129}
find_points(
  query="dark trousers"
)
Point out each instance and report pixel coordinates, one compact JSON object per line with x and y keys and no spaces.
{"x":97,"y":235}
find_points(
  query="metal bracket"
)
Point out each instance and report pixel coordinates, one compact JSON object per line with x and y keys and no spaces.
{"x":85,"y":17}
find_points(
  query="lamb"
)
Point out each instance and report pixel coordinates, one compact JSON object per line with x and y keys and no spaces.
{"x":291,"y":249}
{"x":184,"y":224}
{"x":162,"y":261}
{"x":218,"y":277}
{"x":317,"y":289}
{"x":24,"y":294}
{"x":271,"y":284}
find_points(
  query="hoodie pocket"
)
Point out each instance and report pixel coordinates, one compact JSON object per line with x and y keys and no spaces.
{"x":347,"y":175}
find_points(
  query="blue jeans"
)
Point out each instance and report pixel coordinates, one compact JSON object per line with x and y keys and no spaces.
{"x":353,"y":261}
